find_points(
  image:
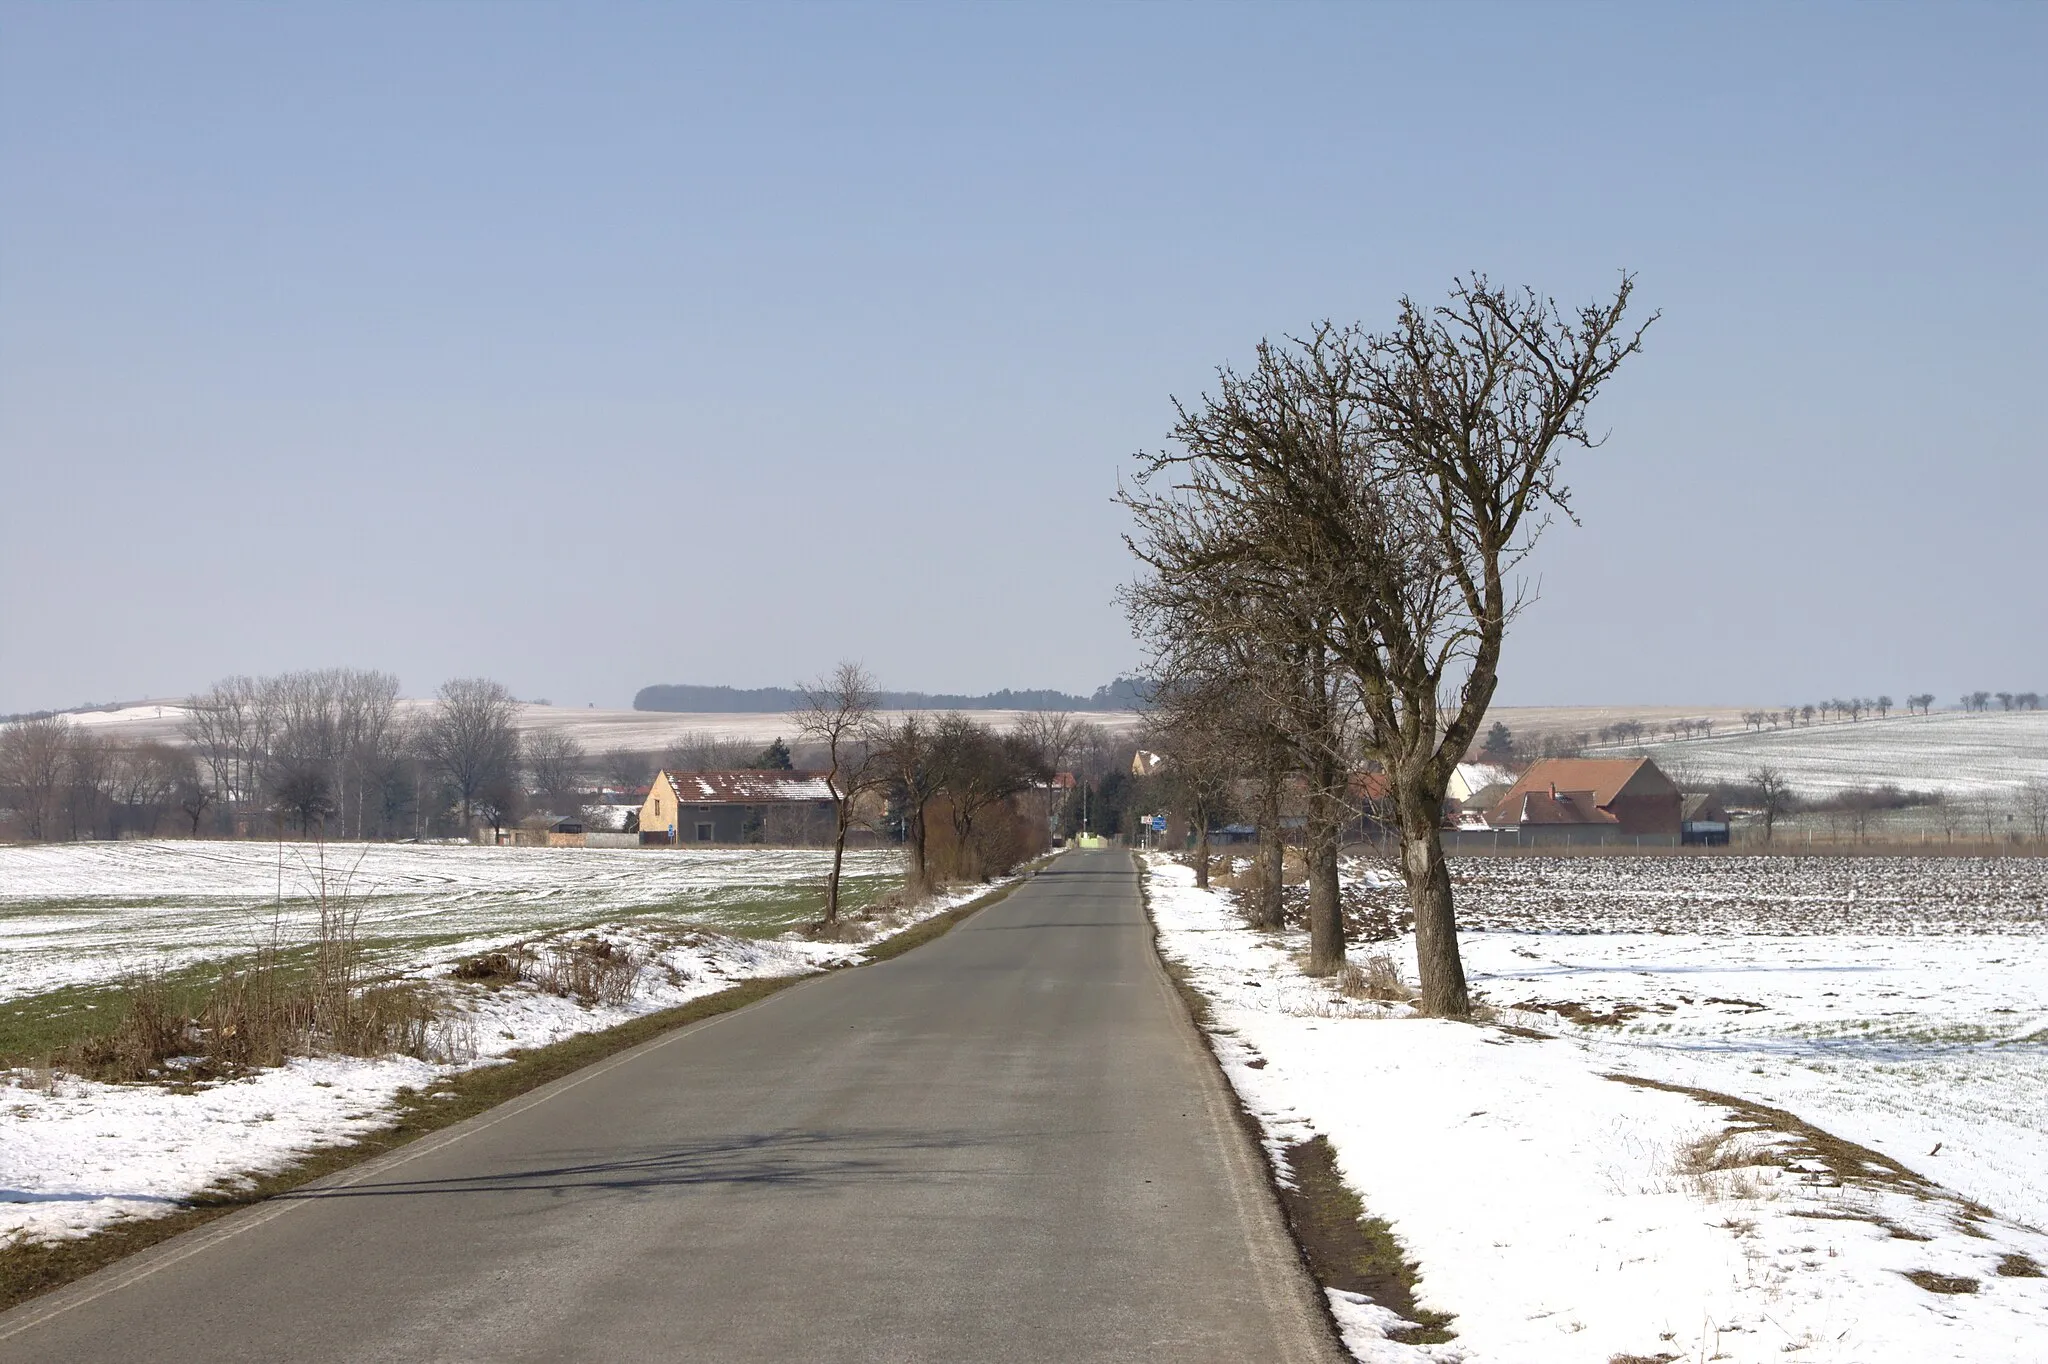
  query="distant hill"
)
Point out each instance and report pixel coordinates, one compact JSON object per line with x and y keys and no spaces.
{"x":1126,"y":693}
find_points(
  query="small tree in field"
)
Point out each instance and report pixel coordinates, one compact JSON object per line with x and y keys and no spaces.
{"x":1499,"y":746}
{"x":838,"y":715}
{"x":1774,"y":798}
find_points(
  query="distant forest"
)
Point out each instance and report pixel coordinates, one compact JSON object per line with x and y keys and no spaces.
{"x":1126,"y":693}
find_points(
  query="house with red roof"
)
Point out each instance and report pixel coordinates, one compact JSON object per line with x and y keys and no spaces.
{"x":737,"y":807}
{"x":1591,"y":800}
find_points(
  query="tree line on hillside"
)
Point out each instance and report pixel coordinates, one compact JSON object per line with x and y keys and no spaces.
{"x":1502,"y":745}
{"x":1328,"y":553}
{"x":1125,"y":693}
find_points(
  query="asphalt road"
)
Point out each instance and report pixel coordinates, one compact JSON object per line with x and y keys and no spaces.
{"x":1006,"y":1145}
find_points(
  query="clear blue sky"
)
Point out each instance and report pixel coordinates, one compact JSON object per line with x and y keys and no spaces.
{"x":592,"y":346}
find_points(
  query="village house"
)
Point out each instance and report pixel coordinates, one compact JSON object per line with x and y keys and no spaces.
{"x":1591,"y":800}
{"x":737,"y":807}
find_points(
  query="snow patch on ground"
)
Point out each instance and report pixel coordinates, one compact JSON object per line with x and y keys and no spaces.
{"x":1552,"y":1209}
{"x":89,"y":913}
{"x":76,"y":1156}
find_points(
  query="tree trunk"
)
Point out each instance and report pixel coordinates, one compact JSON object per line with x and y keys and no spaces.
{"x":838,"y":857}
{"x":1325,"y":908}
{"x":1272,"y":858}
{"x":1201,"y":850}
{"x":1272,"y":879}
{"x":1429,"y":896}
{"x":913,"y":834}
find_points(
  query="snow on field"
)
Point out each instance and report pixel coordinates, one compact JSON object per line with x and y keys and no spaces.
{"x":87,"y":913}
{"x":1896,"y":1002}
{"x":1952,"y":751}
{"x":77,"y":1155}
{"x":596,"y":729}
{"x":1555,"y":1211}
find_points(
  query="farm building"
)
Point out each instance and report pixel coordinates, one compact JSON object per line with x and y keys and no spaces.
{"x":1591,"y":800}
{"x":737,"y":807}
{"x":1702,"y":819}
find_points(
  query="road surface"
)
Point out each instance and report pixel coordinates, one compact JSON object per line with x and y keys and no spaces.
{"x":1006,"y":1145}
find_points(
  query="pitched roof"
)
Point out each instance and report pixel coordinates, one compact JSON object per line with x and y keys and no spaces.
{"x":1571,"y":791}
{"x":747,"y":788}
{"x":1543,"y":807}
{"x":1703,"y":806}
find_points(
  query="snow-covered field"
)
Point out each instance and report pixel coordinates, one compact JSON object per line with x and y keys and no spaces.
{"x":1552,"y":1208}
{"x":596,"y":729}
{"x":77,"y":1155}
{"x":1952,"y":751}
{"x":87,"y":913}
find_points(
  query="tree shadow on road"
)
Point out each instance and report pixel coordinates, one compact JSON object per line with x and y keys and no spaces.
{"x":791,"y":1159}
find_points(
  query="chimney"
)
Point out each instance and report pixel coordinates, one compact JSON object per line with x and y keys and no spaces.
{"x":1553,"y":790}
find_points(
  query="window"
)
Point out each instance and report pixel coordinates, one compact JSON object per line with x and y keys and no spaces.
{"x":657,"y":807}
{"x":703,"y":833}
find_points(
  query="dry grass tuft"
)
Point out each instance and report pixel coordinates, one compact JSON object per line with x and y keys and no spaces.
{"x":1714,"y":1165}
{"x":1942,"y":1283}
{"x":1377,"y":978}
{"x":2018,"y":1266}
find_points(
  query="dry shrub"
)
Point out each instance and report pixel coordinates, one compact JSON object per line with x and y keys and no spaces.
{"x":262,"y":1011}
{"x":256,"y":1017}
{"x":149,"y":1034}
{"x":590,"y":971}
{"x":1377,"y":978}
{"x":493,"y":968}
{"x":1001,"y":840}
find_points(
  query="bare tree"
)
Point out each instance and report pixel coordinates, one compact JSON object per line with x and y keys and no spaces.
{"x":2033,"y":803}
{"x":1951,"y":812}
{"x":626,"y":769}
{"x":699,"y":750}
{"x":220,"y":724}
{"x":1216,"y":612}
{"x":906,"y":752}
{"x":1197,"y":729}
{"x":1054,"y":733}
{"x":1400,"y":479}
{"x":554,"y":765}
{"x":33,"y":762}
{"x":146,"y":778}
{"x":1774,"y":798}
{"x":88,"y":781}
{"x":194,"y":797}
{"x":838,"y":714}
{"x":978,"y":769}
{"x":470,"y":743}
